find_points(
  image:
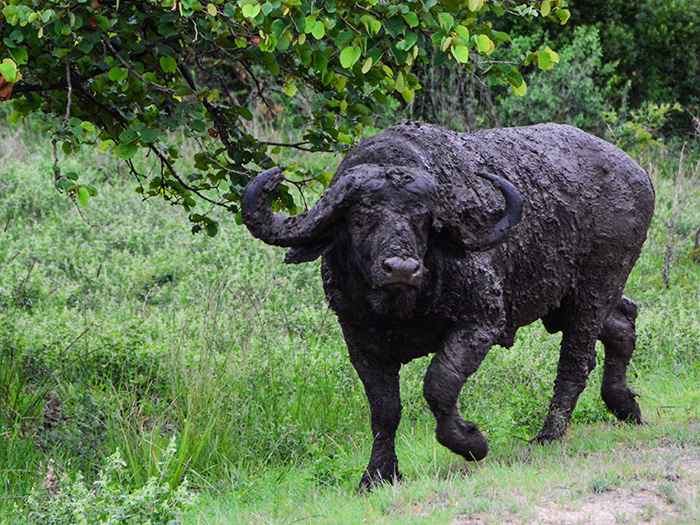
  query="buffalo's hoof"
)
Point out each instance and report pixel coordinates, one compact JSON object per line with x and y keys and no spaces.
{"x":620,"y":400}
{"x":374,"y":478}
{"x":545,"y":438}
{"x":553,"y":429}
{"x":462,"y":438}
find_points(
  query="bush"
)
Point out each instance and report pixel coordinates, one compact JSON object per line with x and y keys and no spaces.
{"x":577,"y":91}
{"x":62,"y":500}
{"x":639,"y":130}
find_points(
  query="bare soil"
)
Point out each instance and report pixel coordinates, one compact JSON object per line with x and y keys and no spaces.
{"x":661,"y":485}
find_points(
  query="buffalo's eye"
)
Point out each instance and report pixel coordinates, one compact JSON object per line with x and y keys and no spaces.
{"x":421,"y":223}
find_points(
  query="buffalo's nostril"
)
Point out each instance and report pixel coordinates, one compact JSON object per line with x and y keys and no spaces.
{"x":401,"y":270}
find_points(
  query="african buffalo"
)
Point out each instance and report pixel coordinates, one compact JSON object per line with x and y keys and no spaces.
{"x":446,"y":243}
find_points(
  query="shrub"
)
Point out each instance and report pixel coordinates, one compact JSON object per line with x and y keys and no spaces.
{"x":577,"y":91}
{"x":63,"y":500}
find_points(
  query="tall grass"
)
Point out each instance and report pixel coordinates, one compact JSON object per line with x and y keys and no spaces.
{"x":210,"y":360}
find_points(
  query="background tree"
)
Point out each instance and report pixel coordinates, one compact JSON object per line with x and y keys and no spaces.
{"x":627,"y":56}
{"x":122,"y":75}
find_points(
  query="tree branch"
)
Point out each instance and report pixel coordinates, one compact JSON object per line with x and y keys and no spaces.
{"x":350,"y":26}
{"x":177,"y":177}
{"x":132,"y":71}
{"x":69,"y":95}
{"x":296,"y":145}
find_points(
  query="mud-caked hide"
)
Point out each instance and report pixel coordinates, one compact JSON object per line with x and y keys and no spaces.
{"x":444,"y":243}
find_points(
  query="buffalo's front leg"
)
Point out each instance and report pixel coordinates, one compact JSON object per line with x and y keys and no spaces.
{"x":381,"y":381}
{"x":460,"y":356}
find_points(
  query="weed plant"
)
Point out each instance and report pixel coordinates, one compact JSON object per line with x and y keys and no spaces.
{"x":208,"y":360}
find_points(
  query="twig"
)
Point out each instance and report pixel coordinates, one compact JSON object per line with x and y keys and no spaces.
{"x":145,"y":299}
{"x":104,"y":108}
{"x":297,"y":145}
{"x":62,"y":352}
{"x":80,"y":212}
{"x":132,"y":71}
{"x":258,"y":87}
{"x":69,"y":103}
{"x":373,"y":13}
{"x":21,"y":285}
{"x":56,"y":169}
{"x":679,"y":199}
{"x":350,"y":26}
{"x":311,"y":517}
{"x":172,"y":171}
{"x":69,"y":95}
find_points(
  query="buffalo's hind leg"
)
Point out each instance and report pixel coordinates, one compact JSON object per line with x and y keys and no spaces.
{"x":381,"y":382}
{"x":460,"y":356}
{"x":619,"y":337}
{"x":576,"y":361}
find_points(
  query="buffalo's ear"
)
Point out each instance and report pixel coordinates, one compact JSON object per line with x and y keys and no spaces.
{"x":308,"y":253}
{"x":448,"y":239}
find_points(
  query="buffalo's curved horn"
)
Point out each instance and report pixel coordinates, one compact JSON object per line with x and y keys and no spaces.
{"x":279,"y":229}
{"x":511,"y":216}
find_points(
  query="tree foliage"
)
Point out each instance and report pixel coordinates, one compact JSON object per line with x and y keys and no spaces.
{"x":122,"y":75}
{"x":654,"y":45}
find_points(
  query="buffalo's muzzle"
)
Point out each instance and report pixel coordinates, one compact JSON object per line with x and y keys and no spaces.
{"x":403,"y":271}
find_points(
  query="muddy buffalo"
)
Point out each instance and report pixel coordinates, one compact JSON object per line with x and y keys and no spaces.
{"x":444,"y":243}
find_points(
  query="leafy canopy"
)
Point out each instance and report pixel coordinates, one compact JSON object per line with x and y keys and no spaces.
{"x":121,"y":75}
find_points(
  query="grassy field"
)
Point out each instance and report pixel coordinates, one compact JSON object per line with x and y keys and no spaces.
{"x":146,"y":373}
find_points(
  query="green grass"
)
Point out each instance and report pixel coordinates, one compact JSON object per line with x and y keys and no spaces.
{"x":209,"y":360}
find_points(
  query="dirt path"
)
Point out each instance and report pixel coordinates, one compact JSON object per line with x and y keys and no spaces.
{"x":659,"y":485}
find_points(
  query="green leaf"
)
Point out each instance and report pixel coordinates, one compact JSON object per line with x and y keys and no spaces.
{"x":117,"y":74}
{"x":408,"y":95}
{"x":563,"y":15}
{"x":251,"y":10}
{"x":349,"y":56}
{"x":475,"y":5}
{"x":516,"y":82}
{"x":8,"y":69}
{"x":245,"y":113}
{"x":148,"y":135}
{"x":446,"y":21}
{"x":290,"y":90}
{"x":461,"y":53}
{"x":167,"y":29}
{"x":553,"y":55}
{"x":83,"y":195}
{"x":319,"y":31}
{"x":411,"y":19}
{"x":344,"y":39}
{"x":168,"y":64}
{"x":484,"y":44}
{"x":399,"y":83}
{"x":278,"y":27}
{"x":500,"y":36}
{"x":462,"y":32}
{"x":128,"y":135}
{"x":20,"y":55}
{"x":408,"y":42}
{"x":212,"y":229}
{"x":126,"y":151}
{"x":545,"y":7}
